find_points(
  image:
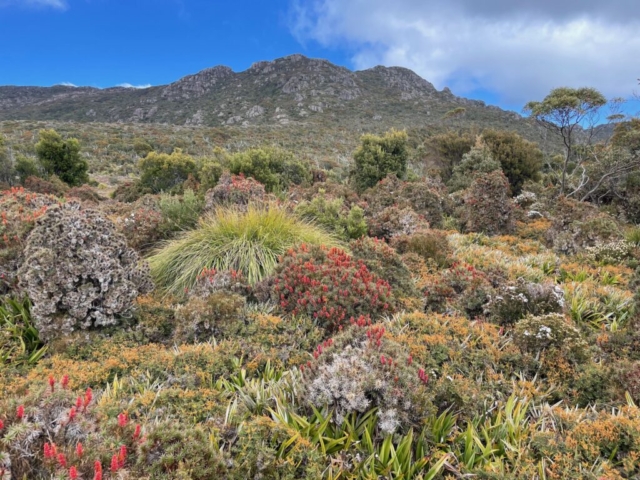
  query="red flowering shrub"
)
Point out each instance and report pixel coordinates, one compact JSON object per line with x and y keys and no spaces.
{"x":330,"y":286}
{"x":234,"y":190}
{"x":19,"y":210}
{"x":55,"y":432}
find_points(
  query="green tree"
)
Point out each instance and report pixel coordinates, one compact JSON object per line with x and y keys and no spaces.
{"x":476,"y":162}
{"x":6,"y":168}
{"x":564,"y":112}
{"x":160,"y":172}
{"x":62,"y":158}
{"x":379,"y":156}
{"x":519,"y":159}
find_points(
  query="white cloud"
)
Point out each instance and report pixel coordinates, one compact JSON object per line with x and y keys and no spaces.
{"x":517,"y":51}
{"x":67,"y":84}
{"x":57,"y":4}
{"x":128,"y":85}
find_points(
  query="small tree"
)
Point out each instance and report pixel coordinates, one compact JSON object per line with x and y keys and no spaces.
{"x":564,"y":112}
{"x":62,"y":158}
{"x":378,"y":156}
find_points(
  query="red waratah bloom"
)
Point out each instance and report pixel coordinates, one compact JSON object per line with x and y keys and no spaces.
{"x":62,"y":460}
{"x":136,"y":433}
{"x":79,"y":449}
{"x":114,"y":463}
{"x":52,"y":382}
{"x":73,"y":473}
{"x":20,"y":412}
{"x":122,"y":420}
{"x":65,"y":381}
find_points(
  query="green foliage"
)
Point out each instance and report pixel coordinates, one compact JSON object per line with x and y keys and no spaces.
{"x":19,"y":339}
{"x":488,"y":207}
{"x":62,"y":158}
{"x":379,"y":156}
{"x":6,"y":168}
{"x":477,"y":161}
{"x":26,"y":167}
{"x":249,"y":243}
{"x":180,"y":212}
{"x":449,"y":148}
{"x":331,"y":213}
{"x":160,"y":172}
{"x":276,"y":169}
{"x":519,"y":159}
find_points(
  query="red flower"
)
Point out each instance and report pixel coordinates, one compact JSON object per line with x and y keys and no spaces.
{"x":52,"y":382}
{"x":97,"y":469}
{"x":122,"y":455}
{"x":65,"y":381}
{"x":122,"y":420}
{"x":78,"y":402}
{"x":72,"y":414}
{"x":114,"y":463}
{"x":79,"y":449}
{"x":62,"y":460}
{"x":73,"y":473}
{"x":49,"y":451}
{"x":1,"y":424}
{"x":136,"y":433}
{"x":20,"y":412}
{"x":88,"y":396}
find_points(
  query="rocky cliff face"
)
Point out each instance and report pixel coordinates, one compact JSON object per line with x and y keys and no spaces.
{"x":279,"y":92}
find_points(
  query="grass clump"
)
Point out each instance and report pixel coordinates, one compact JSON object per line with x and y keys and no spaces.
{"x":248,"y":242}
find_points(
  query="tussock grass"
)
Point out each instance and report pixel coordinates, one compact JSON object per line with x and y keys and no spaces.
{"x":249,"y":242}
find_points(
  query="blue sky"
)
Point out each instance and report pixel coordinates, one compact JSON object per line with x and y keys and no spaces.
{"x":501,"y":51}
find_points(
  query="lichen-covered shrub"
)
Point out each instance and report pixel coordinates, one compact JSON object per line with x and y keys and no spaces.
{"x":425,"y":197}
{"x":393,"y":221}
{"x":512,"y":302}
{"x":610,"y":253}
{"x":360,"y":369}
{"x":553,"y":332}
{"x":78,"y":271}
{"x":236,"y":190}
{"x":577,"y":225}
{"x":330,"y":286}
{"x":19,"y":210}
{"x":384,"y":261}
{"x":488,"y":207}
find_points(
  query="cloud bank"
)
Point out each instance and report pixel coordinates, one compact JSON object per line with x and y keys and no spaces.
{"x":516,"y":50}
{"x":57,"y":4}
{"x":128,"y":85}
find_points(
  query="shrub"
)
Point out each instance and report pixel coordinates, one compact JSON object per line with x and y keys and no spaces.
{"x":513,"y":302}
{"x":449,"y":148}
{"x":141,"y":226}
{"x":426,"y":197}
{"x":129,"y":192}
{"x":180,"y":212}
{"x":384,"y":261}
{"x":53,"y":186}
{"x":19,"y":211}
{"x":332,"y":214}
{"x":488,"y":207}
{"x":234,"y":190}
{"x":394,"y":221}
{"x":276,"y":169}
{"x":160,"y":172}
{"x":62,"y":158}
{"x":248,"y":242}
{"x":26,"y":167}
{"x":78,"y":271}
{"x":84,"y":193}
{"x":431,"y":245}
{"x":554,"y":332}
{"x":519,"y":159}
{"x":476,"y":162}
{"x":210,"y":173}
{"x":330,"y":286}
{"x":612,"y":253}
{"x":361,"y":369}
{"x":376,"y":157}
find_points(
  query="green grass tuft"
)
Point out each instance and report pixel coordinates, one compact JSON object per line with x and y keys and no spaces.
{"x":249,"y":242}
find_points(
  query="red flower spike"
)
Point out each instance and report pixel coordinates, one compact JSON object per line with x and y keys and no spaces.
{"x":78,"y":402}
{"x":62,"y":460}
{"x":97,"y":469}
{"x":65,"y":381}
{"x":1,"y":424}
{"x":72,"y":414}
{"x":122,"y":455}
{"x":136,"y":433}
{"x":79,"y":449}
{"x":73,"y":473}
{"x":382,"y":359}
{"x":114,"y":463}
{"x":88,"y":396}
{"x":52,"y":382}
{"x":122,"y":420}
{"x":48,"y":451}
{"x":20,"y":412}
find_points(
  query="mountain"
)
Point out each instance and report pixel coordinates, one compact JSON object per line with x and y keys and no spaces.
{"x":286,"y":91}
